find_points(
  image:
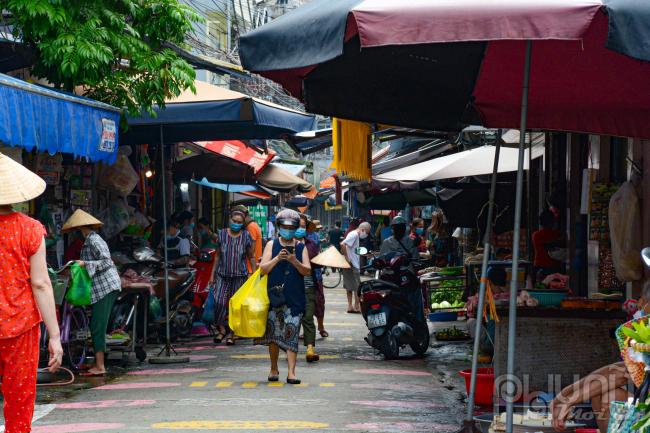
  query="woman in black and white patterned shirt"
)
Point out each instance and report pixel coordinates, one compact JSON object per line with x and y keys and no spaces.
{"x":96,"y":258}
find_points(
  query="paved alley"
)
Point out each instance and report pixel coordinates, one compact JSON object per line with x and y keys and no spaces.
{"x":224,"y":388}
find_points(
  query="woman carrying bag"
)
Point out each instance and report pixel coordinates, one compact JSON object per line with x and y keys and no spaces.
{"x":106,"y":283}
{"x":26,"y":297}
{"x":286,"y":262}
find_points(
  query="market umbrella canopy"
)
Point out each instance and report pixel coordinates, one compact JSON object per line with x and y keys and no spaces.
{"x":472,"y":162}
{"x":399,"y":199}
{"x":440,"y":64}
{"x":216,"y":113}
{"x":279,"y":179}
{"x":214,"y":168}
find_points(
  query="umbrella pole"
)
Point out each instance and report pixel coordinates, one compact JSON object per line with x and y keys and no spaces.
{"x":514,"y":281}
{"x":167,"y":358}
{"x":487,"y":251}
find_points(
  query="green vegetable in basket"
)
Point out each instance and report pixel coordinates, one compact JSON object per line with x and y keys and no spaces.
{"x":640,"y":332}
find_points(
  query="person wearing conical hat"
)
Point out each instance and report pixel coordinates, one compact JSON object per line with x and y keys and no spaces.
{"x":96,"y":258}
{"x":26,"y":296}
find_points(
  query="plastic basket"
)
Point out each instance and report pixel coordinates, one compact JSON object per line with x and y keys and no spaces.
{"x":443,"y":316}
{"x":549,"y":299}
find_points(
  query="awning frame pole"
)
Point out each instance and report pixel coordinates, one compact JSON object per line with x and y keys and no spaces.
{"x":163,"y":176}
{"x":487,"y":251}
{"x":516,"y":235}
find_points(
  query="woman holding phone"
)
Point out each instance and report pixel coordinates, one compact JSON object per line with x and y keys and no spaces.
{"x":286,"y":262}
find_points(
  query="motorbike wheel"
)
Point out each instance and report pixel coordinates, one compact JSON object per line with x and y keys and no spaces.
{"x":390,"y":348}
{"x":421,"y":343}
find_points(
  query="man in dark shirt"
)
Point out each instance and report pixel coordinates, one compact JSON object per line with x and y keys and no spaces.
{"x":336,"y":236}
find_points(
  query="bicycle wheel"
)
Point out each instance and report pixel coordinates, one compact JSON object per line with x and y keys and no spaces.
{"x":76,"y":346}
{"x":331,"y":279}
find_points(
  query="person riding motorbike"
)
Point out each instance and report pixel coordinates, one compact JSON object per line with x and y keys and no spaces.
{"x":401,"y":244}
{"x":178,"y":248}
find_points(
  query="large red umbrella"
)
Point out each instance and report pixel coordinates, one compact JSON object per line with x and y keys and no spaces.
{"x":434,"y":64}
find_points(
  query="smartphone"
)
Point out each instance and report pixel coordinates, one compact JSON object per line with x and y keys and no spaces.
{"x":289,"y":249}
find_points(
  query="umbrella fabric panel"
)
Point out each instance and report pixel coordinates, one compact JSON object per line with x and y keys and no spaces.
{"x":193,"y":112}
{"x":278,"y":179}
{"x":399,"y":200}
{"x":472,"y":162}
{"x":390,"y":22}
{"x":629,"y":32}
{"x":421,"y":86}
{"x":575,"y":86}
{"x":288,"y":122}
{"x":309,"y":35}
{"x":225,"y":186}
{"x":35,"y":117}
{"x":214,"y":168}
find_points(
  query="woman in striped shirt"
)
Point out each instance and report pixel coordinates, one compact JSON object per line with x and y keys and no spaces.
{"x":235,"y":247}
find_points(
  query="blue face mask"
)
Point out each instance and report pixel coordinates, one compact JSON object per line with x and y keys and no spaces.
{"x":287,"y":234}
{"x":191,"y":226}
{"x":235,"y":227}
{"x":301,"y":233}
{"x":419,"y":231}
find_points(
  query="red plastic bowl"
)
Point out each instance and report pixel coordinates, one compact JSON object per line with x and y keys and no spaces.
{"x":484,"y":385}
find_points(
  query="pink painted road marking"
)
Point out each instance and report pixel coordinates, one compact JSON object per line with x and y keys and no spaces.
{"x":394,"y":386}
{"x":104,"y":404}
{"x":202,"y":357}
{"x":393,"y":372}
{"x":79,"y":427}
{"x":402,"y":427}
{"x":197,"y":348}
{"x":138,"y":385}
{"x":399,"y":404}
{"x":165,"y":371}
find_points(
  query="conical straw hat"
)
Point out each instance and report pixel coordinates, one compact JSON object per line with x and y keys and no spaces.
{"x":18,"y":184}
{"x":332,"y":258}
{"x":80,"y":219}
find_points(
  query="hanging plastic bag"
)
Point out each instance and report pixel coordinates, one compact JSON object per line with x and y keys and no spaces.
{"x":80,"y":285}
{"x":249,"y":308}
{"x":209,"y":307}
{"x":155,"y":309}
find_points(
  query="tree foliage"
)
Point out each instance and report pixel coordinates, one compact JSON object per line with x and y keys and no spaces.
{"x":113,"y":50}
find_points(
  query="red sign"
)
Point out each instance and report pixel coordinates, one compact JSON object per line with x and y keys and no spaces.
{"x":238,"y":150}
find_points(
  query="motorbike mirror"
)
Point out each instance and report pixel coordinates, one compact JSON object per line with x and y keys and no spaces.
{"x":362,"y":251}
{"x":645,"y":255}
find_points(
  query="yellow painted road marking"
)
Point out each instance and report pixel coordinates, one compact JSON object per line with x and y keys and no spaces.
{"x":275,"y":384}
{"x":239,"y":425}
{"x":249,"y":384}
{"x":327,"y":385}
{"x":223,"y":384}
{"x":198,"y":384}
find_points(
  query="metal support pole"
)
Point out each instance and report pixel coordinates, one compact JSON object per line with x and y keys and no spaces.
{"x":514,"y":281}
{"x":487,"y":251}
{"x":163,"y":176}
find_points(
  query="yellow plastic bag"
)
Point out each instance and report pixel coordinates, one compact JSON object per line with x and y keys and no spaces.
{"x":249,"y":308}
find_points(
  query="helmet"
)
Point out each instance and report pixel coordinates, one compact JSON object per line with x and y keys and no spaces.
{"x":398,"y":220}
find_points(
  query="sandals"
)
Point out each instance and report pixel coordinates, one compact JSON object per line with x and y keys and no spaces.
{"x":294,"y":381}
{"x":91,"y":374}
{"x":218,"y":338}
{"x":230,"y":341}
{"x":274,"y":378}
{"x":323,"y":333}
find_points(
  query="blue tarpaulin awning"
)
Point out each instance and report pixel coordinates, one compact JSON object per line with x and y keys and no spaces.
{"x":216,"y":113}
{"x":36,"y":117}
{"x":225,"y":186}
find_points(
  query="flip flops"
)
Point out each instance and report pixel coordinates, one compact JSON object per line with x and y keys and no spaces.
{"x":91,"y":374}
{"x":323,"y":333}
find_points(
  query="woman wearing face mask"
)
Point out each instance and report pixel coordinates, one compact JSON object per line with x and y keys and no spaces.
{"x":235,"y":248}
{"x":207,"y":238}
{"x":311,"y":282}
{"x":286,"y":262}
{"x":417,"y":235}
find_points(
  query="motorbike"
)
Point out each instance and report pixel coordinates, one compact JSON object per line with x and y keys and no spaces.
{"x":149,"y":266}
{"x":393,"y":319}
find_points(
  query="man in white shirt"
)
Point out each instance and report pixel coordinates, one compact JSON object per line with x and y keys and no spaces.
{"x":352,"y":276}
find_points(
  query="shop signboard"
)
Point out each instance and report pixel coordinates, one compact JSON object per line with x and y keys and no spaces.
{"x":260,"y":215}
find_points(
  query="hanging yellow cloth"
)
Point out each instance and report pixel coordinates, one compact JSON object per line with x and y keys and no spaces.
{"x":489,"y":302}
{"x":352,"y":149}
